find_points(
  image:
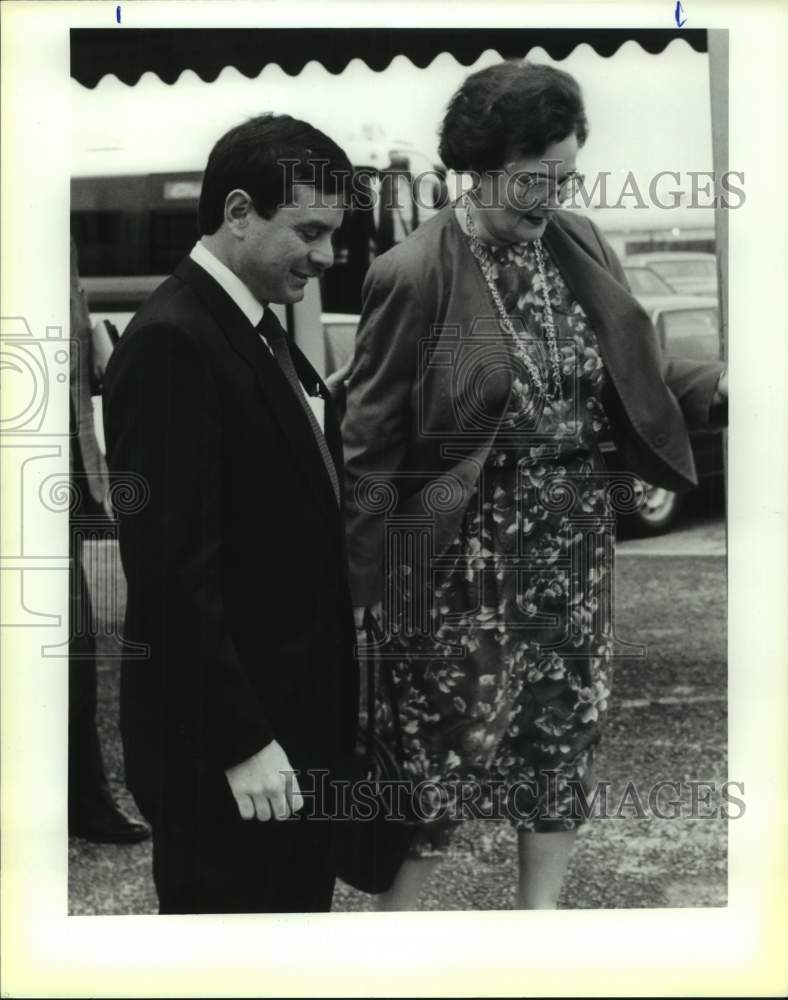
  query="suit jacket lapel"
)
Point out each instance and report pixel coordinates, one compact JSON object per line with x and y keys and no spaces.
{"x":275,"y":388}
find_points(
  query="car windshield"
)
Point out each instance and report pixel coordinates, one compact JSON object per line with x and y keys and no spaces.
{"x":691,"y":333}
{"x":643,"y":281}
{"x":685,"y":268}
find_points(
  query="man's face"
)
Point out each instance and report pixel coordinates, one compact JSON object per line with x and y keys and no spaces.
{"x":276,"y":257}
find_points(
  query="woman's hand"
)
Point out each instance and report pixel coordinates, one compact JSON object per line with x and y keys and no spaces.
{"x":721,"y":392}
{"x":336,"y":380}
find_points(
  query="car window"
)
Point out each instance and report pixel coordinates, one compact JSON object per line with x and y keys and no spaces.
{"x":684,"y":268}
{"x":643,"y":281}
{"x":691,"y":333}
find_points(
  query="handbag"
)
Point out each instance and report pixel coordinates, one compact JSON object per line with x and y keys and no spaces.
{"x":371,"y":850}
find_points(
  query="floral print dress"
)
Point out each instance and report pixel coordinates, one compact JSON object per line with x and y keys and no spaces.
{"x":512,"y":686}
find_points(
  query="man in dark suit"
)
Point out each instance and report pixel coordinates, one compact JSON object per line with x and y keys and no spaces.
{"x":233,"y":545}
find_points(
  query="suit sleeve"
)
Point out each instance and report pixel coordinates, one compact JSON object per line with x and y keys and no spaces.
{"x":163,"y":424}
{"x":693,"y":383}
{"x":376,"y":425}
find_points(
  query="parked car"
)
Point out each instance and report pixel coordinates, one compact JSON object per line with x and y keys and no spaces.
{"x":688,"y":327}
{"x":684,"y":272}
{"x":643,"y":281}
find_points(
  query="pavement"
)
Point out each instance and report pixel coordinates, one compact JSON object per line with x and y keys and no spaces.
{"x":701,"y":535}
{"x":667,"y":722}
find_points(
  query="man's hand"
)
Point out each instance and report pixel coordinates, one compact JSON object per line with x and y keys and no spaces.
{"x":265,"y":785}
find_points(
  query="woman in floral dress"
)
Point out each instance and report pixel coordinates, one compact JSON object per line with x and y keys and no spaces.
{"x":498,"y":346}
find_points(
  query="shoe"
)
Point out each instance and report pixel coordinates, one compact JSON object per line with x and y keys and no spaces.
{"x":112,"y":827}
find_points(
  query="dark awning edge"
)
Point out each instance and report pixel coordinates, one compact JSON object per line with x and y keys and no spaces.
{"x":167,"y":52}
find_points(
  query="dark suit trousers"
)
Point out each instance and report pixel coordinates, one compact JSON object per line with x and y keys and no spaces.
{"x":206,"y":859}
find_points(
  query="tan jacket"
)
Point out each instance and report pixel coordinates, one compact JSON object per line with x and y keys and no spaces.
{"x":417,"y":430}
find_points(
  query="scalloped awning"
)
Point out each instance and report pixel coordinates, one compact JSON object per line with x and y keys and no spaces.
{"x":130,"y":52}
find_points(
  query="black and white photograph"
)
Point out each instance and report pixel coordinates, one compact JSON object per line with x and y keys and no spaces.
{"x":401,"y":547}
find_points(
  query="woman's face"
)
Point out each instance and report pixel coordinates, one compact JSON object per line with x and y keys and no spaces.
{"x":516,"y":202}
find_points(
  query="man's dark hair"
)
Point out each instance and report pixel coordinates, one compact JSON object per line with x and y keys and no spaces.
{"x":515,"y":109}
{"x":266,"y":156}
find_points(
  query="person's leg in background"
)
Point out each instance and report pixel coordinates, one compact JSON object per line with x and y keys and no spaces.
{"x":92,"y":811}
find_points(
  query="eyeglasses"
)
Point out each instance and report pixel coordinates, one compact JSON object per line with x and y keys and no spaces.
{"x":531,"y":189}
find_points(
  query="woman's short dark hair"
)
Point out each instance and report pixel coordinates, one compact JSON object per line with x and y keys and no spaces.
{"x":266,"y":156}
{"x":513,"y":107}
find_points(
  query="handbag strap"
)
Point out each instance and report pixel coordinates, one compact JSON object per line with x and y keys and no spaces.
{"x":374,"y":639}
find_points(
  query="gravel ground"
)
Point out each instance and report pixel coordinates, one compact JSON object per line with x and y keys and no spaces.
{"x":667,"y":721}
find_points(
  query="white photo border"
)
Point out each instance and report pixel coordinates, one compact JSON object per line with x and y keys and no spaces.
{"x":735,"y":950}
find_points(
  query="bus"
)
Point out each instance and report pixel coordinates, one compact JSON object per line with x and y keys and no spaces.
{"x":131,"y":230}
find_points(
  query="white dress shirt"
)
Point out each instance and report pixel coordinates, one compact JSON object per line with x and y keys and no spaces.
{"x":247,"y":303}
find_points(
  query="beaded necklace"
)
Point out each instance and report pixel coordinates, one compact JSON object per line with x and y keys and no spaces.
{"x":487,"y":267}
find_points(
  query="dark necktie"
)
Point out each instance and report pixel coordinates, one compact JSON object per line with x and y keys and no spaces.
{"x":270,"y":328}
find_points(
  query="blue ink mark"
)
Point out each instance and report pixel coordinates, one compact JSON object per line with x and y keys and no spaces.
{"x":117,"y":13}
{"x":679,"y":12}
